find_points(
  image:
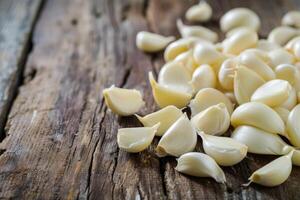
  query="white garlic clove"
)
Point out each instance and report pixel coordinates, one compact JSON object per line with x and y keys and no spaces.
{"x":258,"y":115}
{"x":196,"y":31}
{"x":274,"y":173}
{"x":266,"y":45}
{"x":296,"y":158}
{"x":239,"y":41}
{"x":260,"y":142}
{"x":291,"y":101}
{"x":203,"y":77}
{"x":215,"y":120}
{"x":226,"y":73}
{"x":224,"y":150}
{"x":187,"y":59}
{"x":208,"y":97}
{"x":291,"y":18}
{"x":136,"y":139}
{"x":122,"y":101}
{"x":293,"y":126}
{"x":200,"y":12}
{"x":286,"y":72}
{"x":175,"y":76}
{"x":283,"y":113}
{"x":282,"y":34}
{"x":166,"y":117}
{"x":281,"y":56}
{"x":272,"y":93}
{"x":164,"y":96}
{"x":151,"y":42}
{"x":200,"y":165}
{"x":246,"y":82}
{"x":239,"y":17}
{"x":180,"y":138}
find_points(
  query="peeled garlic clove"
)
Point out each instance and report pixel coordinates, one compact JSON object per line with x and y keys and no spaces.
{"x":239,"y":41}
{"x":203,"y":77}
{"x":246,"y":82}
{"x":187,"y":59}
{"x":208,"y":97}
{"x":259,"y":141}
{"x":291,"y":101}
{"x":151,"y":42}
{"x":266,"y":45}
{"x":207,"y":54}
{"x":200,"y":12}
{"x":281,"y":56}
{"x":226,"y":73}
{"x":282,"y":34}
{"x":225,"y":151}
{"x":175,"y":76}
{"x":296,"y":157}
{"x":283,"y":113}
{"x":164,"y":96}
{"x":200,"y":165}
{"x":293,"y":126}
{"x":238,"y":17}
{"x":273,"y":93}
{"x":136,"y":139}
{"x":291,"y":18}
{"x":260,"y":54}
{"x":122,"y":101}
{"x":196,"y":31}
{"x":274,"y":173}
{"x":166,"y":117}
{"x":286,"y":72}
{"x":258,"y":115}
{"x":214,"y":120}
{"x":180,"y":138}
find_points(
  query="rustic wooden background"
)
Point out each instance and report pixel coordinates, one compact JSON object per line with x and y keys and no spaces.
{"x":58,"y":139}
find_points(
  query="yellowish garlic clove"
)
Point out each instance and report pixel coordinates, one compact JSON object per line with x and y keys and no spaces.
{"x":291,"y":101}
{"x":246,"y":82}
{"x":281,"y":56}
{"x":296,"y":158}
{"x":136,"y":139}
{"x":164,"y":96}
{"x":283,"y":113}
{"x":273,"y":93}
{"x":187,"y":59}
{"x":122,"y":101}
{"x":273,"y":173}
{"x":208,"y":97}
{"x":266,"y":45}
{"x":224,"y":150}
{"x":293,"y":126}
{"x":260,"y":142}
{"x":286,"y":72}
{"x":166,"y":117}
{"x":226,"y":73}
{"x":180,"y":138}
{"x":291,"y":18}
{"x":214,"y":120}
{"x":200,"y":12}
{"x":151,"y":42}
{"x":239,"y":17}
{"x":282,"y":34}
{"x":203,"y":77}
{"x":239,"y":41}
{"x":175,"y":76}
{"x":196,"y":31}
{"x":258,"y":115}
{"x":200,"y":165}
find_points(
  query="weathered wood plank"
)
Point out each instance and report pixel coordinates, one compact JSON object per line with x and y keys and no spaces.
{"x":16,"y":22}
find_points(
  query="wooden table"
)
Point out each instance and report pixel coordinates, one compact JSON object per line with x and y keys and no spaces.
{"x":58,"y":139}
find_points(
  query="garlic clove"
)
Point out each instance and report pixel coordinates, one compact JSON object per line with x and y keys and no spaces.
{"x":187,"y":59}
{"x":283,"y":113}
{"x":273,"y":173}
{"x":164,"y":96}
{"x":208,"y":97}
{"x":266,"y":45}
{"x":291,"y":18}
{"x":258,"y":115}
{"x":246,"y":82}
{"x":203,"y":77}
{"x":239,"y":17}
{"x":291,"y":101}
{"x":175,"y":76}
{"x":286,"y":72}
{"x":200,"y":12}
{"x":200,"y":165}
{"x":296,"y":158}
{"x":281,"y":56}
{"x":215,"y":120}
{"x":180,"y":138}
{"x":136,"y":139}
{"x":226,"y":73}
{"x":165,"y":116}
{"x":290,"y":45}
{"x":122,"y":101}
{"x":293,"y":126}
{"x":260,"y":142}
{"x":151,"y":42}
{"x":282,"y":34}
{"x":196,"y":31}
{"x":224,"y":150}
{"x":272,"y":93}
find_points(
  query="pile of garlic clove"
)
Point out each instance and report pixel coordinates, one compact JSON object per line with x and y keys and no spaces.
{"x":243,"y":82}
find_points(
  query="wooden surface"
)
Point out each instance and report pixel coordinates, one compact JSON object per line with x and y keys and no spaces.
{"x":60,"y":137}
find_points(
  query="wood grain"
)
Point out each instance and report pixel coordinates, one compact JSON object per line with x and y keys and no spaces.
{"x":61,"y":138}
